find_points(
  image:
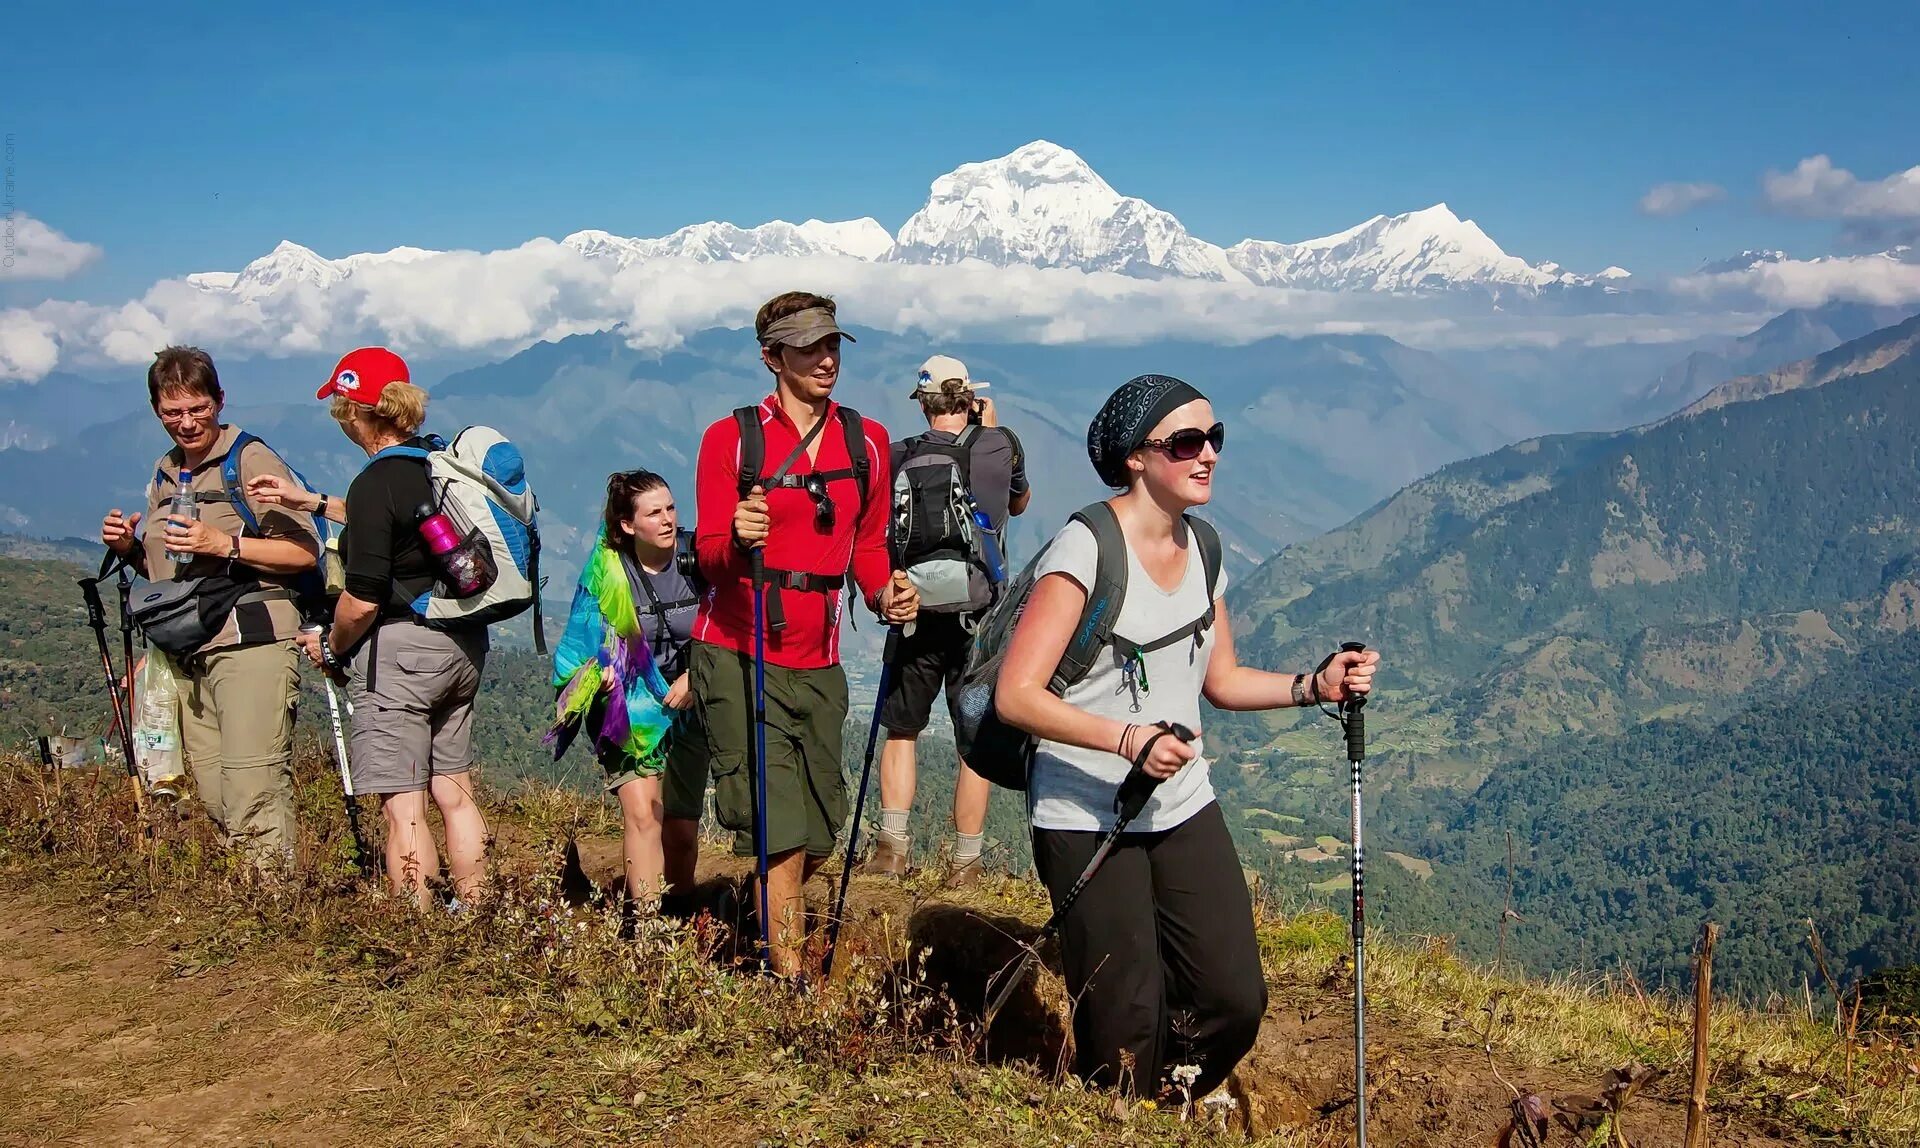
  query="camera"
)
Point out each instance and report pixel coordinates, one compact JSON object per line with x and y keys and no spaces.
{"x":975,"y":409}
{"x":685,"y":560}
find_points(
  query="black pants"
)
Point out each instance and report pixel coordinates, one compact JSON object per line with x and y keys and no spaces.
{"x":1159,"y":953}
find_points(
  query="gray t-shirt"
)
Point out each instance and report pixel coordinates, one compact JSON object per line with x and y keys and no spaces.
{"x":996,"y":467}
{"x":1074,"y":788}
{"x":667,"y":604}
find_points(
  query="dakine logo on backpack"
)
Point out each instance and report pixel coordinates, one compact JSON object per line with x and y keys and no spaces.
{"x":480,"y":481}
{"x":945,"y":543}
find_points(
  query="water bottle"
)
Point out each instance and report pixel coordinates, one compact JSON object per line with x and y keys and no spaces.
{"x":465,"y":570}
{"x":989,"y":547}
{"x":184,"y":506}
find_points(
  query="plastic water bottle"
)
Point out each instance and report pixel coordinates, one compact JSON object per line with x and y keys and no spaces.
{"x":184,"y":506}
{"x":467,"y":572}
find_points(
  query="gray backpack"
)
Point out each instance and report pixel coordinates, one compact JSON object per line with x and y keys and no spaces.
{"x":1003,"y":754}
{"x":947,"y":547}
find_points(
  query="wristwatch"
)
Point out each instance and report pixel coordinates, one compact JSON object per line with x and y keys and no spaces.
{"x":1300,"y":689}
{"x":233,"y":551}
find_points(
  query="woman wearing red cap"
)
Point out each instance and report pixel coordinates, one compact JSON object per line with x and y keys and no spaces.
{"x":412,"y":685}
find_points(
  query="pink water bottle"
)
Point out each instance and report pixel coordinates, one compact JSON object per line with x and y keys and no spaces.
{"x":467,"y":572}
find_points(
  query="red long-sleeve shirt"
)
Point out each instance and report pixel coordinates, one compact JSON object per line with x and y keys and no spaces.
{"x":811,"y":638}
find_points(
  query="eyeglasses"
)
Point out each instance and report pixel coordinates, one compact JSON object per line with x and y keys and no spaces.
{"x":816,"y":488}
{"x":190,"y":414}
{"x":1185,"y":445}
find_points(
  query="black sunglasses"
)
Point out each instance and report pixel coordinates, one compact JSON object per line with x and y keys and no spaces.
{"x":816,"y":488}
{"x":1186,"y":445}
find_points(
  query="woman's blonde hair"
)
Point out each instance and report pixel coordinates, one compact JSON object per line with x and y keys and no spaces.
{"x":402,"y":406}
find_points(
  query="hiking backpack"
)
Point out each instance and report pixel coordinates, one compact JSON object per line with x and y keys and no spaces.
{"x":480,"y":482}
{"x":940,"y":538}
{"x":1003,"y":754}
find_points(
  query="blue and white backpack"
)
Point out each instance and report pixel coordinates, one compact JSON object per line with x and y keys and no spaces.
{"x":480,"y":481}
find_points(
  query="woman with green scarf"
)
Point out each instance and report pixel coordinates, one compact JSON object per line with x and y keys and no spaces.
{"x":621,"y":673}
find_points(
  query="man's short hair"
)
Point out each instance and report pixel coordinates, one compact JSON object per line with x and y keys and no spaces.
{"x":790,"y":303}
{"x":954,"y":397}
{"x":183,"y":371}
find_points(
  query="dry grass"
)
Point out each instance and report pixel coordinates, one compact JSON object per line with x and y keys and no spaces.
{"x":1804,"y":1074}
{"x":532,"y":1020}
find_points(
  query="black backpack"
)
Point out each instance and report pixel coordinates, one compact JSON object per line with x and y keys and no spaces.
{"x":1003,"y":754}
{"x":937,"y":536}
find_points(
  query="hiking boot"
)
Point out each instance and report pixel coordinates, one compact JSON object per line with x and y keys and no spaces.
{"x":888,"y":859}
{"x":964,"y":874}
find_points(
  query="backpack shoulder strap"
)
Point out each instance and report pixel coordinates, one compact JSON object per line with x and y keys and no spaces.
{"x":1104,"y":598}
{"x":753,"y":447}
{"x":1203,"y":532}
{"x":857,"y":457}
{"x":1208,"y":537}
{"x":230,"y":480}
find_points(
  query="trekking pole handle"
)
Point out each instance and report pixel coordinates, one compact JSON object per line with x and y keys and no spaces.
{"x":1353,"y":719}
{"x":1139,"y":785}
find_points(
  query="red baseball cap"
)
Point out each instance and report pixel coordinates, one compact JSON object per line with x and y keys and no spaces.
{"x":362,"y":374}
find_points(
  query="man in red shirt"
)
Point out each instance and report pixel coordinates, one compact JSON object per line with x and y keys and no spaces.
{"x":813,"y":520}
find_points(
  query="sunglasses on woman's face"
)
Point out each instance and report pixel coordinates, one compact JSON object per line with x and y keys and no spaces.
{"x":1186,"y":445}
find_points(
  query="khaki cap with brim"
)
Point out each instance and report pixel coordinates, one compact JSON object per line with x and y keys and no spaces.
{"x":803,"y":329}
{"x":942,"y":369}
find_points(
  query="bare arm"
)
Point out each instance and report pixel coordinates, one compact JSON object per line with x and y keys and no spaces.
{"x":352,"y":618}
{"x":1232,"y":686}
{"x":1017,"y":505}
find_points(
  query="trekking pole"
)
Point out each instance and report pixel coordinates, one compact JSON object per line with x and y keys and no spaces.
{"x":1354,"y":723}
{"x":860,"y":802}
{"x":361,"y":857}
{"x":1132,"y":798}
{"x":97,"y":622}
{"x":124,"y":584}
{"x":759,"y":564}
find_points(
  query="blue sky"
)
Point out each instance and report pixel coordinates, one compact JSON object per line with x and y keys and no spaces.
{"x":194,"y":137}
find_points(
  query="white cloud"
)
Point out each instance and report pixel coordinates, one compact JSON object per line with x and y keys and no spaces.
{"x":1675,"y":198}
{"x":1883,"y":279}
{"x":495,"y":303}
{"x":1818,"y":190}
{"x":29,"y":249}
{"x":28,"y":349}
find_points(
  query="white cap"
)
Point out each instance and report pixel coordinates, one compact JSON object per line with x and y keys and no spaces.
{"x":938,"y":370}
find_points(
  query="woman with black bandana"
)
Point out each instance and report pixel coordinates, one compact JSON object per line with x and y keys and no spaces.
{"x":1158,"y":949}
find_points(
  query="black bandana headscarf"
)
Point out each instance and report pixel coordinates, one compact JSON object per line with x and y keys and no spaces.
{"x":1126,"y":417}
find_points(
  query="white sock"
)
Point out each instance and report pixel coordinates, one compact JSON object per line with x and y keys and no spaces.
{"x":966,"y":847}
{"x":893,"y":823}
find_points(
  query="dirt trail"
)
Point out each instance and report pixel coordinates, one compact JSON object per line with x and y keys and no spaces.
{"x":103,"y":1042}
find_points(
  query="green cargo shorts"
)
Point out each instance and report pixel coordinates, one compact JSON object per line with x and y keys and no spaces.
{"x":806,"y":788}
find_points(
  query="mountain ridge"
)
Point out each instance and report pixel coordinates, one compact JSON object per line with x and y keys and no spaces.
{"x":1040,"y":205}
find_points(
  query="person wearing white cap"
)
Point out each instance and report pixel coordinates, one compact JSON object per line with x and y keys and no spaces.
{"x":963,"y":468}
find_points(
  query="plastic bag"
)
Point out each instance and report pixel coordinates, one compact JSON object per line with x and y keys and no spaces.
{"x":156,"y":721}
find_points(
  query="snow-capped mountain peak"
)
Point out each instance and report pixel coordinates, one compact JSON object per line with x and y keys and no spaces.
{"x":1043,"y":206}
{"x":715,"y":242}
{"x":1419,"y":250}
